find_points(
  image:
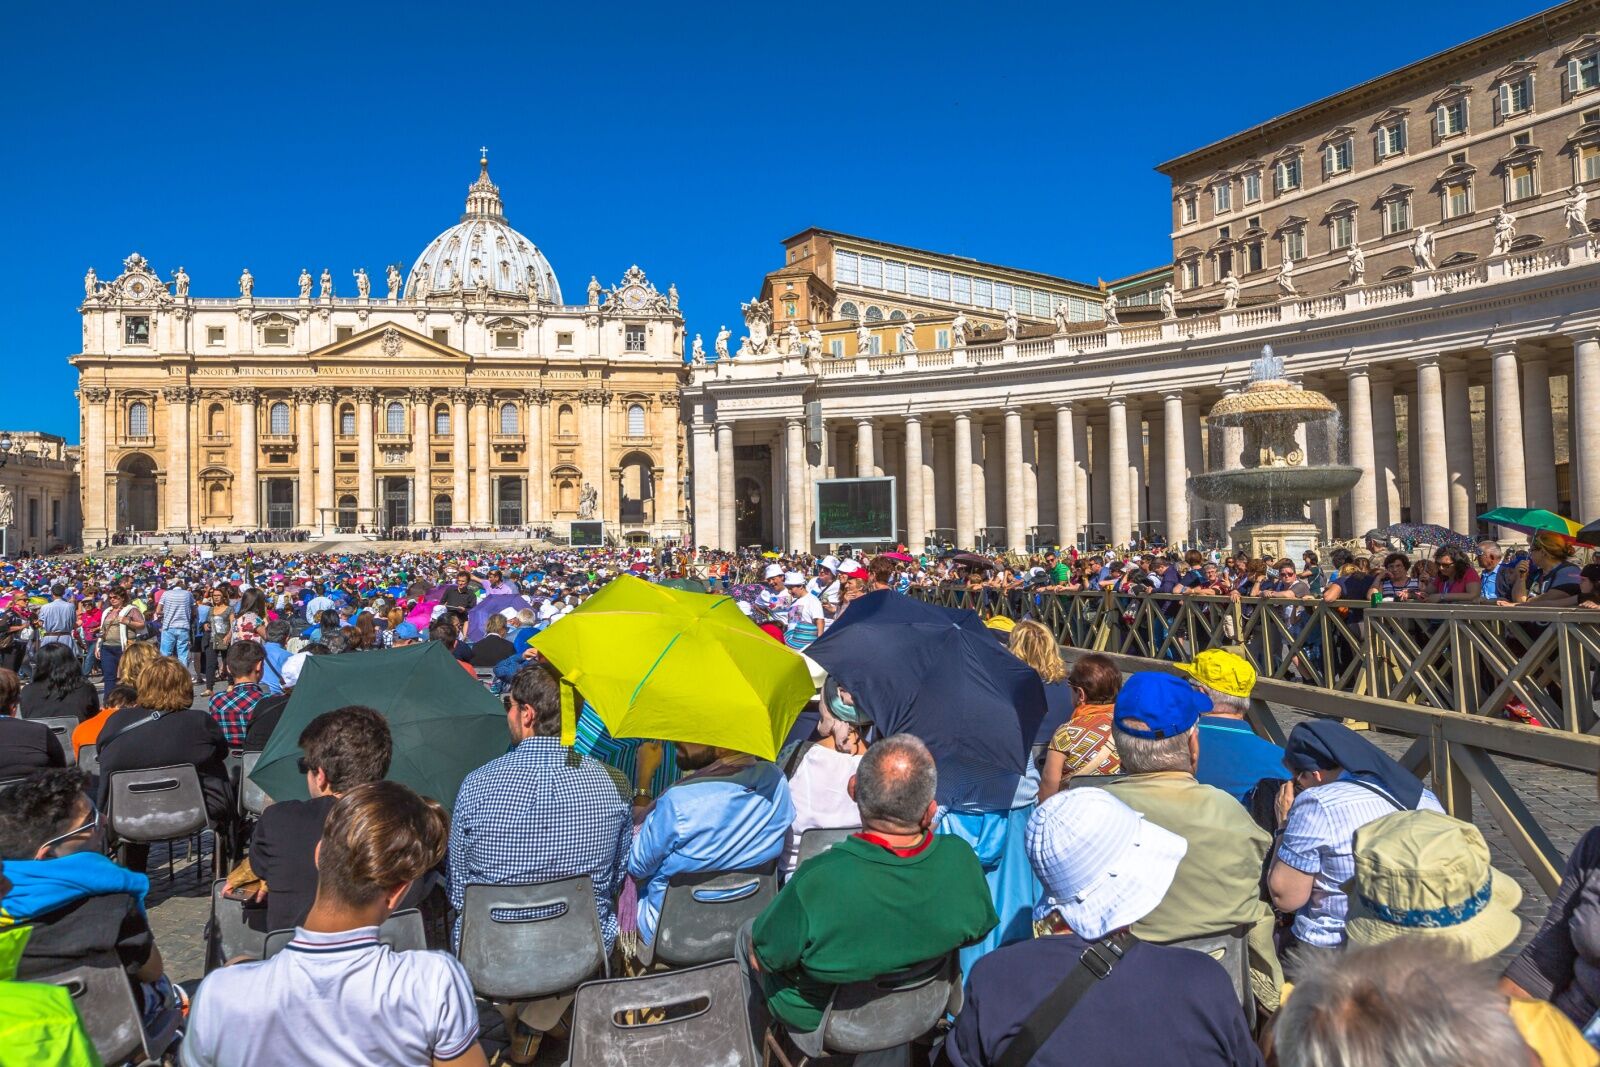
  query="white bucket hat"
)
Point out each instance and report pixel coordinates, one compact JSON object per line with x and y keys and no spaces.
{"x":832,"y":563}
{"x":794,"y":578}
{"x":774,"y":570}
{"x":1103,"y":865}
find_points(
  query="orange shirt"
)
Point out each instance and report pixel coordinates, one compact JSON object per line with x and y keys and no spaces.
{"x":87,"y":732}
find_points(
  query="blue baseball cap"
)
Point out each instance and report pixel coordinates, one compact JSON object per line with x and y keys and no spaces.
{"x":407,"y":631}
{"x":1166,"y":705}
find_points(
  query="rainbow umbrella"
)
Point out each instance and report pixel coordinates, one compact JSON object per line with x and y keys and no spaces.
{"x":1536,"y":521}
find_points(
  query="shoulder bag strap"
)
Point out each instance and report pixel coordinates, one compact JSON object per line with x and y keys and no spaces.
{"x":1372,"y":787}
{"x":1094,"y":965}
{"x":128,"y":729}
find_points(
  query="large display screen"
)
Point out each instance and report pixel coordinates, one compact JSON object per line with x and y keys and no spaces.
{"x":588,"y":534}
{"x":855,"y":511}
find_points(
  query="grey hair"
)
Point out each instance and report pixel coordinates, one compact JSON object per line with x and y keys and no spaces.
{"x":1146,"y":755}
{"x":1407,"y":1003}
{"x":895,"y":782}
{"x":1227,"y":703}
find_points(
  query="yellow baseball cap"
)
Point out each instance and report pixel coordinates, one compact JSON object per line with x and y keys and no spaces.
{"x":1001,"y":623}
{"x":1226,"y":672}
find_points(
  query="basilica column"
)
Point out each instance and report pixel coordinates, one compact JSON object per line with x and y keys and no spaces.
{"x":1510,"y":475}
{"x":1538,"y":431}
{"x":727,"y":515}
{"x":1177,"y":471}
{"x":534,"y":435}
{"x":703,"y":480}
{"x":364,"y":457}
{"x":305,"y":434}
{"x":248,"y":494}
{"x":1458,"y":446}
{"x":458,"y":456}
{"x":482,"y":508}
{"x":421,"y":470}
{"x":794,"y":480}
{"x":178,"y":398}
{"x":866,"y":459}
{"x":96,"y":507}
{"x":1428,"y":428}
{"x":1016,"y":518}
{"x":916,"y":510}
{"x":324,"y":397}
{"x":962,"y":444}
{"x":671,"y":433}
{"x":1385,"y":448}
{"x":1118,"y":471}
{"x":1583,"y":398}
{"x":1364,"y":494}
{"x":1066,"y":476}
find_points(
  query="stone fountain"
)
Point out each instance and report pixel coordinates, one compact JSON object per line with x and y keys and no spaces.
{"x":1274,"y":485}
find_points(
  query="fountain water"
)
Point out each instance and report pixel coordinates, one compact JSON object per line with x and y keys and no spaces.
{"x":1275,"y":484}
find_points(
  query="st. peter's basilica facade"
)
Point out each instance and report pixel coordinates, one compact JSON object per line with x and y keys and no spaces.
{"x":464,"y":395}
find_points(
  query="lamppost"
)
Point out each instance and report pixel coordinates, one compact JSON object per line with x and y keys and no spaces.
{"x":5,"y":447}
{"x":5,"y":456}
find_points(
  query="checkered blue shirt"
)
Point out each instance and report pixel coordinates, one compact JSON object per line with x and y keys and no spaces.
{"x":541,"y":813}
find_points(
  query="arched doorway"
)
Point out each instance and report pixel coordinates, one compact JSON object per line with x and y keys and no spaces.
{"x":346,"y":519}
{"x":565,"y":483}
{"x":638,"y":488}
{"x":136,"y":493}
{"x":443,"y":510}
{"x":749,"y":511}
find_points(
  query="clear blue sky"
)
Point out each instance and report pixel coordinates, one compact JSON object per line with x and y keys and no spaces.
{"x":687,"y":138}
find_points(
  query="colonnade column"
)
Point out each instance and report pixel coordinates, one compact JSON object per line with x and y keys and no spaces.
{"x":1538,"y":431}
{"x":703,"y":472}
{"x":930,"y":478}
{"x":482,"y":507}
{"x":1510,"y":473}
{"x":324,"y":399}
{"x":96,"y":506}
{"x":1118,"y":472}
{"x":727,"y":524}
{"x":459,"y":515}
{"x":1583,"y":397}
{"x":244,"y":403}
{"x":1066,"y":476}
{"x":305,"y":438}
{"x":1016,"y":532}
{"x":364,"y":457}
{"x":963,"y":463}
{"x":1427,"y":427}
{"x":1364,"y":494}
{"x":916,"y":519}
{"x":1458,"y":447}
{"x":1135,"y":468}
{"x":177,"y":398}
{"x":421,"y":470}
{"x":1194,"y":459}
{"x":1177,"y":471}
{"x":1030,"y":479}
{"x":1385,"y":449}
{"x":980,"y":480}
{"x":1080,"y":445}
{"x":1232,"y":459}
{"x":865,"y":460}
{"x":794,"y":455}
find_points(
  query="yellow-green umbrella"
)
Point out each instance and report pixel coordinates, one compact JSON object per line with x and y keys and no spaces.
{"x":672,"y":665}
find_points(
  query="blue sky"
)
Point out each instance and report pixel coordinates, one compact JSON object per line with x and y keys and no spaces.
{"x":689,"y":138}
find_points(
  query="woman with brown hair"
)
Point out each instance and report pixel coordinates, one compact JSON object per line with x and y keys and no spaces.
{"x":1457,"y":580}
{"x":120,"y":624}
{"x":162,"y":730}
{"x":364,"y":634}
{"x":1084,"y":745}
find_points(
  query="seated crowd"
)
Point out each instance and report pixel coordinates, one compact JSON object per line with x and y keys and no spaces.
{"x":1359,"y":921}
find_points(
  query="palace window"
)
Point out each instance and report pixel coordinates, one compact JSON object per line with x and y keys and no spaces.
{"x":1457,"y":199}
{"x":1396,"y":215}
{"x":917,"y":281}
{"x":214,"y":336}
{"x":1520,"y":182}
{"x":874,"y":314}
{"x":1341,"y":231}
{"x":961,"y":288}
{"x":1224,"y":265}
{"x":1191,"y":274}
{"x":1583,"y":73}
{"x":836,"y":349}
{"x":633,"y":336}
{"x":394,"y":418}
{"x":846,"y":268}
{"x":897,"y":315}
{"x":941,"y":338}
{"x":441,"y":421}
{"x":636,"y":420}
{"x":278,"y":419}
{"x":939,"y":284}
{"x":138,"y":419}
{"x":1516,"y":97}
{"x":1392,"y":139}
{"x":872,"y":272}
{"x":894,"y":276}
{"x":505,"y":338}
{"x":1589,"y":163}
{"x":1450,"y":118}
{"x":1253,"y":257}
{"x":1286,"y":175}
{"x":508,"y":419}
{"x":1002,"y":296}
{"x":136,"y":330}
{"x":1222,"y":194}
{"x":1338,"y":158}
{"x":1191,"y":208}
{"x":347,"y":421}
{"x":1252,"y":186}
{"x":1294,"y":245}
{"x":982,"y":293}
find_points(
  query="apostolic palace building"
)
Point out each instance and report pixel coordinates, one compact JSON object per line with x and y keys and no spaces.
{"x":1420,"y":247}
{"x":466,"y":394}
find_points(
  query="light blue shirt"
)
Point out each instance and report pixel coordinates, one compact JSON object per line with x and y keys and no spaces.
{"x":317,"y":605}
{"x":728,"y":820}
{"x":272,"y":676}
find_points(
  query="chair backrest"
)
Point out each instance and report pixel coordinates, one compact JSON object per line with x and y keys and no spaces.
{"x":62,"y":726}
{"x":105,"y":1004}
{"x":524,"y":941}
{"x":676,"y":1019}
{"x":235,"y":937}
{"x":253,"y":800}
{"x":1231,"y":950}
{"x":815,"y":842}
{"x":891,"y":1010}
{"x":702,"y":912}
{"x":89,"y":759}
{"x":402,"y":931}
{"x":157,"y":803}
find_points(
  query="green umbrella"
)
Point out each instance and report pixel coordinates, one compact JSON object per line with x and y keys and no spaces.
{"x":444,"y":722}
{"x":1532,"y":521}
{"x":688,"y":585}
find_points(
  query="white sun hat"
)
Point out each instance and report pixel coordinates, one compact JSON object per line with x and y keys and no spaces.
{"x":774,"y":570}
{"x":794,"y":578}
{"x":1103,"y":865}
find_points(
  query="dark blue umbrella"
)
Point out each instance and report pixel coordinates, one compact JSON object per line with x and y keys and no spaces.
{"x":938,"y":673}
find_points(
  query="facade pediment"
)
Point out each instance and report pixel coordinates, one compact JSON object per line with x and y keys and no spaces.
{"x":1513,"y":71}
{"x":1289,"y":225}
{"x":1523,"y":153}
{"x":1288,"y":151}
{"x":1452,"y":92}
{"x":1395,"y":192}
{"x":1337,"y":134}
{"x":1582,"y":44}
{"x":388,"y":342}
{"x":1388,"y":115}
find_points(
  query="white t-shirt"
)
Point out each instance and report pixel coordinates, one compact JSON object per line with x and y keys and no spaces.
{"x":821,"y":796}
{"x":333,"y":998}
{"x":805,"y":609}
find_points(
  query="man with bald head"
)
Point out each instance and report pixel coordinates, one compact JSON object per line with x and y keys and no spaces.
{"x":890,"y":896}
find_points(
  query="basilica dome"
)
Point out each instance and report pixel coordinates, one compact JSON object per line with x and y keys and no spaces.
{"x":483,"y":250}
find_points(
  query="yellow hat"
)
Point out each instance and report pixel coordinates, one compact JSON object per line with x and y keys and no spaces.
{"x":1001,"y":623}
{"x":1226,"y":672}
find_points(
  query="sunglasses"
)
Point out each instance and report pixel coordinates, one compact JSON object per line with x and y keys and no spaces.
{"x":89,"y":827}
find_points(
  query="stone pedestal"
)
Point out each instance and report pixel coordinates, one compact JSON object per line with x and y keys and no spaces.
{"x":1275,"y":540}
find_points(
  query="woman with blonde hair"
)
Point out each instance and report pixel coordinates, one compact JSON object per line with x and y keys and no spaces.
{"x":136,"y":659}
{"x":1548,"y":577}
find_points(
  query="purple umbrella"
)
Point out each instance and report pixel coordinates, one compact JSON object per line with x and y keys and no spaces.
{"x":478,"y":617}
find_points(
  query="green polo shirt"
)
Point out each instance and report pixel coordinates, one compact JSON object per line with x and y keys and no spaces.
{"x":859,"y":911}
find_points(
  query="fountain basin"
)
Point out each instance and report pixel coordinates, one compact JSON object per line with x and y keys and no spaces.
{"x":1290,"y":486}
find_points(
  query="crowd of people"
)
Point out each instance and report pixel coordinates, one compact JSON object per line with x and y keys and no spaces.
{"x":1370,"y":927}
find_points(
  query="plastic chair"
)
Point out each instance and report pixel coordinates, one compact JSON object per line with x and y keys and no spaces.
{"x":702,"y":912}
{"x":1232,"y":950}
{"x":253,"y":800}
{"x":699,"y":1015}
{"x":111,"y":1019}
{"x":89,"y":759}
{"x":886,"y":1012}
{"x":235,"y":937}
{"x":62,"y":726}
{"x":519,"y":942}
{"x":402,"y":931}
{"x":158,"y":804}
{"x":815,"y":842}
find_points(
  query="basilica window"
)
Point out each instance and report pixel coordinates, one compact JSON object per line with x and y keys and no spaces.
{"x":216,"y":426}
{"x":394,"y":418}
{"x":633,"y":336}
{"x":441,"y":421}
{"x":563,"y":342}
{"x":508,"y":419}
{"x":215,"y":337}
{"x":343,"y":333}
{"x":564,"y":421}
{"x":136,"y":330}
{"x":505,"y":339}
{"x":636,"y":420}
{"x":138,"y":419}
{"x":347,"y":421}
{"x":278,"y":419}
{"x":275,"y":335}
{"x":441,"y":336}
{"x":847,"y":310}
{"x":874,"y":314}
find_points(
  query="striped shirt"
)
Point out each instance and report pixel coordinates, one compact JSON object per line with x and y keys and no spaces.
{"x":1318,"y":840}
